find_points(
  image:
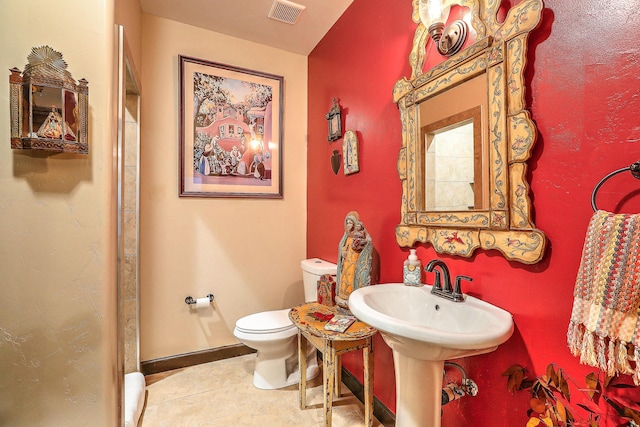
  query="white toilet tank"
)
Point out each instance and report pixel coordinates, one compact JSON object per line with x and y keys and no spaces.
{"x":312,"y":269}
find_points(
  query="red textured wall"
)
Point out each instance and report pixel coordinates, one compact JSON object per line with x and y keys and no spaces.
{"x":584,"y":95}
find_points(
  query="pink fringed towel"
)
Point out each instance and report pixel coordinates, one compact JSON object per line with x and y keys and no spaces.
{"x":605,"y":328}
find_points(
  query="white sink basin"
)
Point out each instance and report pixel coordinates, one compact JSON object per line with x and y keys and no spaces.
{"x":424,"y":330}
{"x":429,"y":327}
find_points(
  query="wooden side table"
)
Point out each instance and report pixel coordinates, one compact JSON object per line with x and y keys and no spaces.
{"x":310,"y":320}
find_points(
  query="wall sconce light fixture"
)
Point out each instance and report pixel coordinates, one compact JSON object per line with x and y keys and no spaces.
{"x":448,"y":40}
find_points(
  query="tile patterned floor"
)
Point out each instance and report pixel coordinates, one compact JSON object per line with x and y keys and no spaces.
{"x":221,"y":394}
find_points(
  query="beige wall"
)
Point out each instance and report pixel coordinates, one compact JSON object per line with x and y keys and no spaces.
{"x":129,"y":14}
{"x":246,"y":252}
{"x":57,"y":222}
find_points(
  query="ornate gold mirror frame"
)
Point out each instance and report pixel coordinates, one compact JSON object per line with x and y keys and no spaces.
{"x":498,"y":53}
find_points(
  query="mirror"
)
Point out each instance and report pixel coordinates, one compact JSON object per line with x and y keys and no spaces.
{"x":452,"y":146}
{"x":466,"y":137}
{"x":450,"y":181}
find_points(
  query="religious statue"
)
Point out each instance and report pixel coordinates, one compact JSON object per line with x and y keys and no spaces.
{"x":354,"y":259}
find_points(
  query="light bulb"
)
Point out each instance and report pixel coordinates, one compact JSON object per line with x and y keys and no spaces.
{"x":435,"y":10}
{"x":430,"y":11}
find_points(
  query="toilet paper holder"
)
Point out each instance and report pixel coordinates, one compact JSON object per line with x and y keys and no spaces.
{"x":190,"y":300}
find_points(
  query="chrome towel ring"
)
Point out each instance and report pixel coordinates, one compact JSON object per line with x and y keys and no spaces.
{"x":635,"y":171}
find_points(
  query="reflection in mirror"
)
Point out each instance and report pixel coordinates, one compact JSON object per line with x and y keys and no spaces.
{"x":453,"y":163}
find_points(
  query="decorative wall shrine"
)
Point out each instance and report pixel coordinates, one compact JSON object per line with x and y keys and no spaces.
{"x":49,"y":110}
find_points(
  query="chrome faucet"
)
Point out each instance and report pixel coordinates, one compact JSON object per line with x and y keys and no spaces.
{"x":444,"y":289}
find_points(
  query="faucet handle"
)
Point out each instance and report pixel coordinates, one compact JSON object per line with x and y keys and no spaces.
{"x":457,"y":292}
{"x":436,"y":283}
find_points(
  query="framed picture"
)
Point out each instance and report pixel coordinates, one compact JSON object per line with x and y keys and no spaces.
{"x":230,"y":131}
{"x":334,"y":119}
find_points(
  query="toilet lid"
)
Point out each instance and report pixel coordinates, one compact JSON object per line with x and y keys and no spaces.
{"x":265,"y":322}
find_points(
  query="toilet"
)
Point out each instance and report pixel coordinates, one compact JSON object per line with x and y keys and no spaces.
{"x":275,"y":338}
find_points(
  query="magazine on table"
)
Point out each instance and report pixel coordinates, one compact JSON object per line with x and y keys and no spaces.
{"x":339,"y":323}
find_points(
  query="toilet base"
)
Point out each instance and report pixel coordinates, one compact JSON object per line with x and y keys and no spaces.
{"x":270,"y":374}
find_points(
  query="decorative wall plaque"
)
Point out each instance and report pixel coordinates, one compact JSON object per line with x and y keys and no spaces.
{"x":350,"y":152}
{"x":334,"y":120}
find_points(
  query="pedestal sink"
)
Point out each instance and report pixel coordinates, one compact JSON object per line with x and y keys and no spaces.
{"x":424,"y":330}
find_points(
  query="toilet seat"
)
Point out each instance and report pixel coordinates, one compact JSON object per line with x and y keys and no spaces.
{"x":266,"y":322}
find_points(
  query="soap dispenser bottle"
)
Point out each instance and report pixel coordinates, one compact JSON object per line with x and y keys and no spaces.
{"x":412,"y":270}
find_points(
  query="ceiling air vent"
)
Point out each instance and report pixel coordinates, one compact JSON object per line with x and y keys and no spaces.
{"x":285,"y":11}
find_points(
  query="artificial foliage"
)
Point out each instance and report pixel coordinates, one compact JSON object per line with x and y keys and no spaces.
{"x":558,"y":401}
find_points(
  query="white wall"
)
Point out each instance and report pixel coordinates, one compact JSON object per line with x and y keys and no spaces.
{"x":57,"y":222}
{"x":246,"y":252}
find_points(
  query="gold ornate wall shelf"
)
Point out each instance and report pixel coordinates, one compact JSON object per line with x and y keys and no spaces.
{"x":49,"y":110}
{"x":497,"y":58}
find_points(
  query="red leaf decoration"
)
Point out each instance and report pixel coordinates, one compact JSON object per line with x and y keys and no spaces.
{"x":323,"y":317}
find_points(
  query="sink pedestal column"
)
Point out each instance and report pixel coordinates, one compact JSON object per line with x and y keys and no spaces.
{"x":418,"y":391}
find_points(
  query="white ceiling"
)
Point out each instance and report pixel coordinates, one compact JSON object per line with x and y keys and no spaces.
{"x":247,"y":19}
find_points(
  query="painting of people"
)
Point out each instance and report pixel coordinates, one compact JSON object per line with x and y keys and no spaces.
{"x":230,"y":121}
